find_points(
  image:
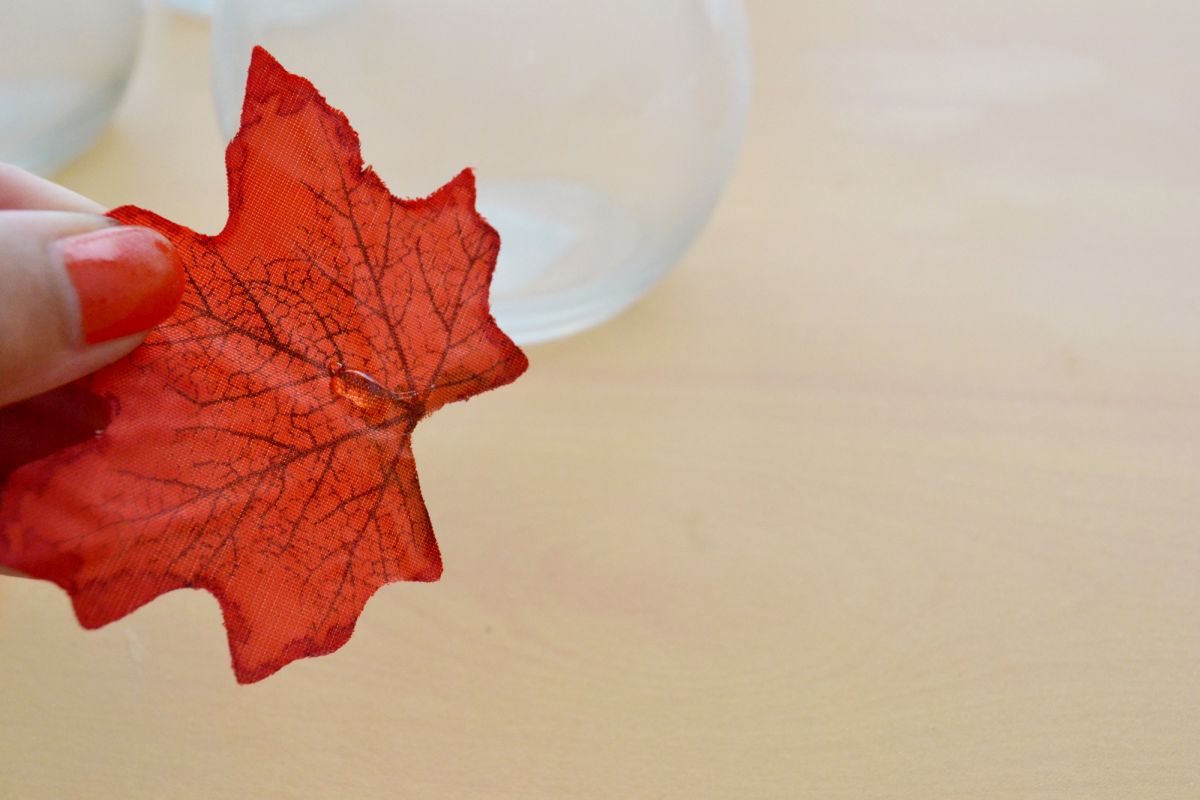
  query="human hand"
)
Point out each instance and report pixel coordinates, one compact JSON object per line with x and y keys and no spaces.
{"x":77,"y":290}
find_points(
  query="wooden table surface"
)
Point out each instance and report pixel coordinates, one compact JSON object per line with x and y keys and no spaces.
{"x":890,"y":490}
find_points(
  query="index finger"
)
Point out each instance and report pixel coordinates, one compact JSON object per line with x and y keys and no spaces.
{"x":21,"y":190}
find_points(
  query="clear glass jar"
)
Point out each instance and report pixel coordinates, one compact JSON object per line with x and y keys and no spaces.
{"x":63,"y":67}
{"x":199,"y":8}
{"x":602,"y":133}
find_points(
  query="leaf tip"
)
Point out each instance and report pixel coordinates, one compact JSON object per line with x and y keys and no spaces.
{"x":459,"y":191}
{"x":431,"y":573}
{"x":266,"y":78}
{"x":262,"y":63}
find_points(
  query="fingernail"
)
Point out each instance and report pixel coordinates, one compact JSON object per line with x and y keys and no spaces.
{"x":128,"y":280}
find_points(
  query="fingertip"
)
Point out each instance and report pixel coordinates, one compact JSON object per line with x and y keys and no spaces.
{"x":79,"y":292}
{"x":127,"y":278}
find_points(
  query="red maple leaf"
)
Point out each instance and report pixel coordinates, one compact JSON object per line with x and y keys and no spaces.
{"x":260,"y":440}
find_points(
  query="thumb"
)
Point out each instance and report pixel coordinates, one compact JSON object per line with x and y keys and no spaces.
{"x":77,"y":291}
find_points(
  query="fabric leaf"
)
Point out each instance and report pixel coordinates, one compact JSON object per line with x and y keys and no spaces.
{"x":260,"y":440}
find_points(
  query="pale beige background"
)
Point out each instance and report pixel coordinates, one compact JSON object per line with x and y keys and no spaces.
{"x":891,"y":490}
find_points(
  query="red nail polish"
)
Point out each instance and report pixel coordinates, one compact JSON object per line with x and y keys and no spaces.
{"x":128,"y":279}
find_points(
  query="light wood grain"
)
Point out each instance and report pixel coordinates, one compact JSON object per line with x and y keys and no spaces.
{"x":890,"y":490}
